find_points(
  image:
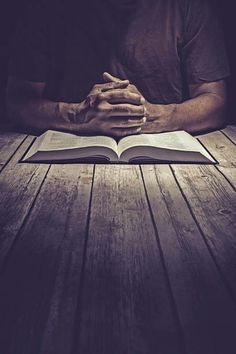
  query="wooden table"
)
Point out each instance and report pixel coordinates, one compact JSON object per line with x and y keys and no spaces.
{"x":118,"y":259}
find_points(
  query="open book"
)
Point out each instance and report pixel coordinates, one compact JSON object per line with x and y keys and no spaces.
{"x":174,"y":146}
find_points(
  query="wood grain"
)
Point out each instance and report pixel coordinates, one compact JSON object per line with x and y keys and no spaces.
{"x":224,"y":152}
{"x":213,"y":203}
{"x":126,"y":305}
{"x":9,"y":142}
{"x":40,"y":283}
{"x":103,"y":264}
{"x":204,"y":306}
{"x":19,"y":186}
{"x":230,"y":132}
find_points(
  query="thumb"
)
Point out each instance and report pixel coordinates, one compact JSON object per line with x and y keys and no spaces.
{"x":110,"y":78}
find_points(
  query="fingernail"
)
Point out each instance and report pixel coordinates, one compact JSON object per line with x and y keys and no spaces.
{"x":142,"y":100}
{"x":144,"y":119}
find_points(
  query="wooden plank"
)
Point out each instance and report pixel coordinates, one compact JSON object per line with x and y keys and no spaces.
{"x":224,"y":152}
{"x":126,"y":305}
{"x":213,"y":203}
{"x":9,"y":143}
{"x":19,"y":186}
{"x":206,"y":311}
{"x":230,"y":132}
{"x":40,"y":285}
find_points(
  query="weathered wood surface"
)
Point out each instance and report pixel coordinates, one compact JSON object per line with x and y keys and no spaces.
{"x":44,"y":267}
{"x":224,"y":152}
{"x":9,"y":142}
{"x":213,"y":204}
{"x":204,"y":306}
{"x":230,"y":132}
{"x":19,"y":186}
{"x":126,"y":303}
{"x":123,"y":261}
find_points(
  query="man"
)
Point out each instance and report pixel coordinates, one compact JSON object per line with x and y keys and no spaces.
{"x":119,"y":68}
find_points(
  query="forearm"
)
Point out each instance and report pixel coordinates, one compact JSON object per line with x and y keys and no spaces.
{"x":201,"y":113}
{"x":104,"y":110}
{"x":43,"y":114}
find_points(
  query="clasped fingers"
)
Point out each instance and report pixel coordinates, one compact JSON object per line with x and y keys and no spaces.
{"x":128,"y":110}
{"x":125,"y":110}
{"x":121,"y":96}
{"x":121,"y":122}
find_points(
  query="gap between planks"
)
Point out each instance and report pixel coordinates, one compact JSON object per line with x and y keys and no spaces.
{"x":225,"y":281}
{"x":9,"y":144}
{"x":124,"y":277}
{"x":19,"y":184}
{"x":230,"y":133}
{"x":224,"y":151}
{"x":212,"y":204}
{"x":186,"y":254}
{"x":174,"y":305}
{"x":52,"y":243}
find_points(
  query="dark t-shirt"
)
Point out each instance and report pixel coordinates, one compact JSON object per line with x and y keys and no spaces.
{"x":161,"y":46}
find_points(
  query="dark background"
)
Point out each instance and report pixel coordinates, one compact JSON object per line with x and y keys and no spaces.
{"x":11,"y":9}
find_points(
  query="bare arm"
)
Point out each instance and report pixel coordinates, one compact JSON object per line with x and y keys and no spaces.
{"x":27,"y":106}
{"x":205,"y":110}
{"x":104,"y":111}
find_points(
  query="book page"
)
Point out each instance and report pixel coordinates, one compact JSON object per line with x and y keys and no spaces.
{"x":35,"y":146}
{"x":178,"y":140}
{"x":54,"y":140}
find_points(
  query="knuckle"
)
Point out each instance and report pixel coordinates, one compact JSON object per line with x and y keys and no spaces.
{"x":100,"y":97}
{"x":133,"y":89}
{"x":107,"y":106}
{"x":115,"y":109}
{"x":103,"y":106}
{"x":131,"y":110}
{"x":110,"y":95}
{"x":119,"y":84}
{"x":140,"y":110}
{"x":111,"y":85}
{"x":126,"y":95}
{"x":125,"y":109}
{"x":99,"y":108}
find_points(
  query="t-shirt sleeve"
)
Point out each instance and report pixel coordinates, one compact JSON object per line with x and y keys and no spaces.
{"x":29,"y":53}
{"x":203,"y":51}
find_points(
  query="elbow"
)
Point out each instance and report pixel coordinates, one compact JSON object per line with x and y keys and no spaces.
{"x":218,"y":118}
{"x":213,"y":99}
{"x":215,"y":106}
{"x":14,"y":109}
{"x":18,"y":113}
{"x":15,"y":114}
{"x":22,"y":98}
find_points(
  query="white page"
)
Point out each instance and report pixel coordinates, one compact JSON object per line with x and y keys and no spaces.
{"x":54,"y":140}
{"x":177,"y":140}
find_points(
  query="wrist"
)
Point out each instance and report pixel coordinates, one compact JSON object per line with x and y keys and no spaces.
{"x":72,"y":116}
{"x":161,"y":117}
